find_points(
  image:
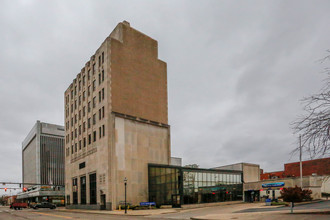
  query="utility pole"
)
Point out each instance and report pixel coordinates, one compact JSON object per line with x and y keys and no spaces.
{"x":125,"y":181}
{"x":301,"y":181}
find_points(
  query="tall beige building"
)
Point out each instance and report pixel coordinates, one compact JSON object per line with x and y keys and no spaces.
{"x":116,"y":122}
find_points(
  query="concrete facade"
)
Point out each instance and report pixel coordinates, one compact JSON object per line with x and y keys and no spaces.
{"x":116,"y":122}
{"x":251,"y":172}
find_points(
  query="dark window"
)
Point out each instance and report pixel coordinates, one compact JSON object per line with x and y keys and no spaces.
{"x":84,"y":110}
{"x":79,"y":145}
{"x":100,"y":78}
{"x":100,"y":115}
{"x":82,"y":187}
{"x":79,"y":85}
{"x":79,"y":129}
{"x":68,"y":200}
{"x":94,"y":102}
{"x":72,"y":149}
{"x":84,"y":142}
{"x":102,"y":75}
{"x":99,"y":60}
{"x":89,"y":123}
{"x":84,"y":126}
{"x":94,"y":85}
{"x":89,"y":91}
{"x":89,"y":139}
{"x":100,"y":132}
{"x":93,"y":68}
{"x":75,"y":104}
{"x":102,"y":93}
{"x":89,"y":74}
{"x":94,"y":119}
{"x":92,"y":188}
{"x":89,"y":106}
{"x":71,"y":108}
{"x":102,"y":57}
{"x":82,"y":165}
{"x":79,"y":114}
{"x":100,"y":96}
{"x":84,"y":95}
{"x":75,"y":147}
{"x":103,"y":112}
{"x":75,"y":191}
{"x":83,"y":80}
{"x":103,"y":130}
{"x":75,"y":132}
{"x":94,"y":136}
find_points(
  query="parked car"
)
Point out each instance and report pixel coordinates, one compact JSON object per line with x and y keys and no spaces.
{"x":18,"y":205}
{"x":44,"y":205}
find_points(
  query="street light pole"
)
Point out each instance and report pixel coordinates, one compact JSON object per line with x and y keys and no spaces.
{"x":301,"y":182}
{"x":125,"y":181}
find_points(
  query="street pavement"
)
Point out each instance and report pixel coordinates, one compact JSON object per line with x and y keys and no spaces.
{"x":246,"y":211}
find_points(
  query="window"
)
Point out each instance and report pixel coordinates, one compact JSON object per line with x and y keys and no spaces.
{"x":79,"y":85}
{"x":89,"y":106}
{"x":75,"y":132}
{"x":71,"y":149}
{"x":94,"y":102}
{"x":84,"y":126}
{"x":94,"y":136}
{"x":75,"y":90}
{"x":89,"y":139}
{"x":79,"y":100}
{"x":99,"y":60}
{"x":72,"y":135}
{"x":89,"y":122}
{"x":84,"y":111}
{"x":75,"y":191}
{"x":103,"y":94}
{"x":75,"y":118}
{"x":93,"y":69}
{"x":84,"y":95}
{"x":94,"y":85}
{"x":94,"y":119}
{"x":92,"y":188}
{"x":79,"y":114}
{"x":100,"y":132}
{"x":75,"y":104}
{"x":71,"y":122}
{"x":82,"y":165}
{"x":103,"y":112}
{"x":75,"y":147}
{"x":89,"y":90}
{"x":100,"y":79}
{"x":79,"y":145}
{"x":82,"y":186}
{"x":103,"y":130}
{"x":89,"y":74}
{"x":79,"y":129}
{"x":84,"y":142}
{"x":83,"y":80}
{"x":71,"y":94}
{"x":71,"y":108}
{"x":102,"y":57}
{"x":102,"y":75}
{"x":100,"y":114}
{"x":100,"y":96}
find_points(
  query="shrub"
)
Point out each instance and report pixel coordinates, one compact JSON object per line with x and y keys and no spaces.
{"x":296,"y":194}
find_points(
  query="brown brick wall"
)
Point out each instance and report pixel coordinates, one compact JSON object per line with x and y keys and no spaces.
{"x":138,"y":78}
{"x":318,"y":166}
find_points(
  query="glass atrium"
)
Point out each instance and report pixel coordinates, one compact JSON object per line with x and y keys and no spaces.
{"x":173,"y":185}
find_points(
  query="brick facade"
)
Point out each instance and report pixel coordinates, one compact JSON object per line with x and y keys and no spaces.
{"x":309,"y":167}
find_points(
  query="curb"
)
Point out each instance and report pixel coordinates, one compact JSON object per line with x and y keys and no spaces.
{"x":107,"y":213}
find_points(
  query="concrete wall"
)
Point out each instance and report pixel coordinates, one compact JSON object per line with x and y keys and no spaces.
{"x":251,"y":172}
{"x":136,"y":145}
{"x":138,"y":77}
{"x":29,"y":162}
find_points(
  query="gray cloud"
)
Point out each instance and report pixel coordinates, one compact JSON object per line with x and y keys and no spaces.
{"x":236,"y":71}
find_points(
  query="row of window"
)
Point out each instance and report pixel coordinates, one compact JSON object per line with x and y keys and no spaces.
{"x":92,"y":190}
{"x":82,"y":128}
{"x":84,"y":142}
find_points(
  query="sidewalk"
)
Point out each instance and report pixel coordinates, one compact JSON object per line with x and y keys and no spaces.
{"x":122,"y":212}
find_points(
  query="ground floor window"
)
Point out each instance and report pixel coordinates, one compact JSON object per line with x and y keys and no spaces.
{"x":74,"y":191}
{"x":92,"y":188}
{"x":83,"y":190}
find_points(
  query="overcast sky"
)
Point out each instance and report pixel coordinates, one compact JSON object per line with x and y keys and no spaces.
{"x":236,"y":70}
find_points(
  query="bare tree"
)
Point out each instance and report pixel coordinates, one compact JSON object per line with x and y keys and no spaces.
{"x":314,"y":125}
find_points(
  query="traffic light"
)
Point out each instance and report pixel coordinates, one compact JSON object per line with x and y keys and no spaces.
{"x":5,"y":189}
{"x":24,"y":189}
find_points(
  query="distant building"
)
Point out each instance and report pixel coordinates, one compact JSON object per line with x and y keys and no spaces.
{"x":43,"y":163}
{"x":309,"y":167}
{"x":116,"y":122}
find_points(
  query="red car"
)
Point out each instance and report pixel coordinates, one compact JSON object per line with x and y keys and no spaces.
{"x":18,"y":205}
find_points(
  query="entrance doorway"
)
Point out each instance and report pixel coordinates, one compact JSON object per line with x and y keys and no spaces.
{"x":103,"y":202}
{"x":176,"y":202}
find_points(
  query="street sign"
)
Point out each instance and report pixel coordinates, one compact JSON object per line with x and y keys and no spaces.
{"x":147,"y":203}
{"x":267,"y":185}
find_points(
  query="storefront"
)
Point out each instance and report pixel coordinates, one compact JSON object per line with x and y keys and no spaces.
{"x":174,"y":185}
